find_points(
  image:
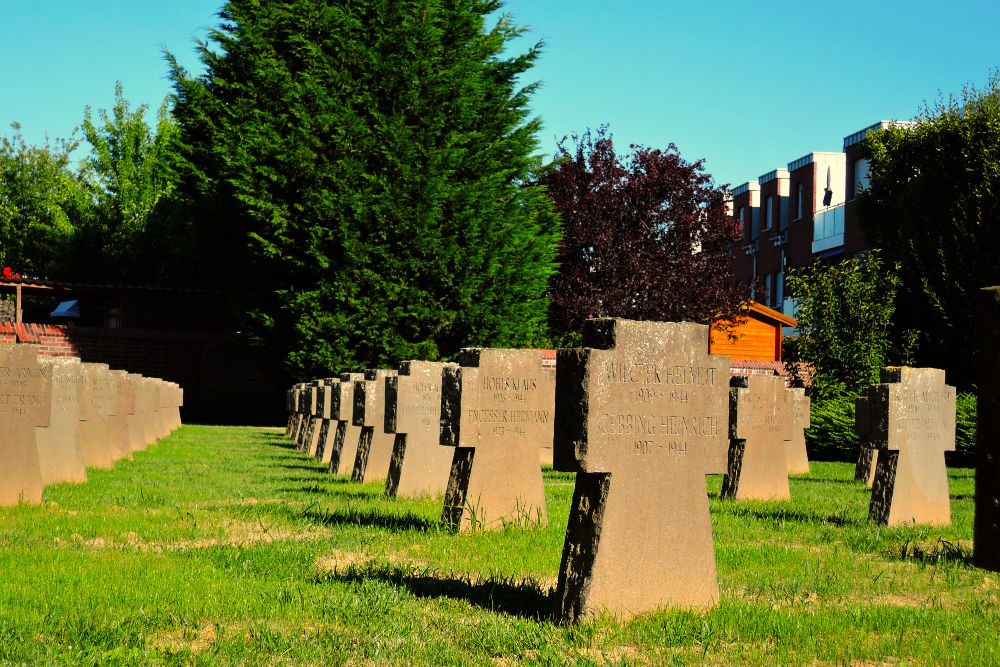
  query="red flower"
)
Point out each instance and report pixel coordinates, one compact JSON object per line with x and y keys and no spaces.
{"x":17,"y":275}
{"x":6,"y":272}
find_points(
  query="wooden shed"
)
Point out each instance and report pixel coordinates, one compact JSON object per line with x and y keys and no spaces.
{"x":758,"y":337}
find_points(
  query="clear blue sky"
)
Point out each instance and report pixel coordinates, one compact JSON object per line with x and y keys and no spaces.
{"x":746,"y":86}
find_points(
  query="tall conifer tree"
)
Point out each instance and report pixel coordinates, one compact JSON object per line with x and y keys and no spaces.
{"x":364,"y":174}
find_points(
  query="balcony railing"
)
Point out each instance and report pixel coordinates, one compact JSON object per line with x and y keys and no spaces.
{"x":828,"y":228}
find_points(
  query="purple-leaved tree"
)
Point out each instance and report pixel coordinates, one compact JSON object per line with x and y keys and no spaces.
{"x":647,"y":237}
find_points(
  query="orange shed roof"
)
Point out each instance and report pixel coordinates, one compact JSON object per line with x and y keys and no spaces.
{"x":761,"y":309}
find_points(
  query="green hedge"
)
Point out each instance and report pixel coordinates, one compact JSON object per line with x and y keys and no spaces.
{"x":831,"y":436}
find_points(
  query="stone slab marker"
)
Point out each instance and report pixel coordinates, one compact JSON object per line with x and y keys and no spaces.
{"x":641,"y":417}
{"x":98,"y":404}
{"x":345,"y":442}
{"x":911,"y":415}
{"x":759,"y":425}
{"x":371,"y":463}
{"x":864,"y":469}
{"x":419,"y":465}
{"x":496,"y":411}
{"x":798,"y":406}
{"x":986,"y":531}
{"x":25,"y":404}
{"x":59,"y":455}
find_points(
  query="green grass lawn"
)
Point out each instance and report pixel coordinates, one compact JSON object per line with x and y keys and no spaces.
{"x":225,"y":545}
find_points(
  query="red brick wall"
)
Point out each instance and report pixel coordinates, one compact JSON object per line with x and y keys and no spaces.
{"x":221,"y":381}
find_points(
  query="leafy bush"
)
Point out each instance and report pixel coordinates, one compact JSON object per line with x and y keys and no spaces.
{"x":831,"y":436}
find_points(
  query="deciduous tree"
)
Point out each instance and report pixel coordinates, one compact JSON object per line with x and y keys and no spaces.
{"x":933,"y":207}
{"x":42,"y":203}
{"x":646,"y":237}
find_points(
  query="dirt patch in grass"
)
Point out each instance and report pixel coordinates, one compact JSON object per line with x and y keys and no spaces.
{"x":195,"y":640}
{"x":238,"y":533}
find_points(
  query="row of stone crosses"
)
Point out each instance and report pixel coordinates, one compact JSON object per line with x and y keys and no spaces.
{"x":641,"y":414}
{"x":59,"y":416}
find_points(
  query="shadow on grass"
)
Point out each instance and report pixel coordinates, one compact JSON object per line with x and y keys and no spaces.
{"x":370,"y":518}
{"x":778,"y":515}
{"x":525,"y":598}
{"x":319,"y":468}
{"x":821,"y":480}
{"x":963,"y":496}
{"x":941,"y":551}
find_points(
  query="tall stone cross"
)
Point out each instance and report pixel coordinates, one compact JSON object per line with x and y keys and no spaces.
{"x":496,"y":411}
{"x":25,"y":404}
{"x":375,"y":445}
{"x":912,"y":418}
{"x":345,"y":442}
{"x":419,"y":465}
{"x":641,"y":418}
{"x":797,"y":404}
{"x":760,"y":423}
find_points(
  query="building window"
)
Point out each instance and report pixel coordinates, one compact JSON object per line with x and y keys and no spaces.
{"x":801,"y":205}
{"x":768,"y":213}
{"x":861,"y":178}
{"x":741,"y":215}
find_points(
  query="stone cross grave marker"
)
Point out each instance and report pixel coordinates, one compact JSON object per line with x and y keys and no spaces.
{"x":148,"y":394}
{"x":345,"y":442}
{"x":59,"y":453}
{"x":290,"y":409}
{"x":305,"y":432}
{"x":759,"y":425}
{"x":176,"y":401}
{"x":132,"y":433}
{"x":328,"y":425}
{"x":798,"y":406}
{"x":496,"y":411}
{"x":160,"y":409}
{"x":297,"y":416}
{"x":310,"y":443}
{"x":98,"y":404}
{"x":117,"y":419}
{"x":641,"y":417}
{"x":864,"y":469}
{"x":912,"y":418}
{"x":375,"y":445}
{"x":25,"y":404}
{"x":986,"y":528}
{"x":419,"y":465}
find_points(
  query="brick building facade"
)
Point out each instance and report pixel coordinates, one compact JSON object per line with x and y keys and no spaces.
{"x":795,"y":215}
